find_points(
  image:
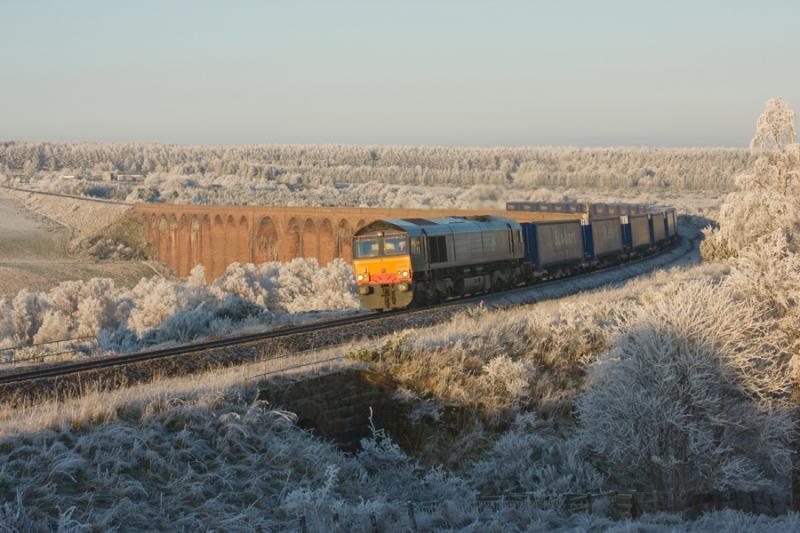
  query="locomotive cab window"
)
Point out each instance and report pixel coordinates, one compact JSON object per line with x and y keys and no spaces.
{"x":367,"y":247}
{"x":395,"y":245}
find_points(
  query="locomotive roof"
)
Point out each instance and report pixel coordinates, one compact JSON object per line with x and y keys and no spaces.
{"x":440,"y":225}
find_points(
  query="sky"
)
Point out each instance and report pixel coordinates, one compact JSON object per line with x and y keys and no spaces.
{"x":476,"y":73}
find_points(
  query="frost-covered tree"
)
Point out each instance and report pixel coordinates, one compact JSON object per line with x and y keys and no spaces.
{"x":775,"y":128}
{"x":768,"y":199}
{"x":690,"y":398}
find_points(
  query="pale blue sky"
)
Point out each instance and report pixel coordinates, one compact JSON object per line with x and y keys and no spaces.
{"x":659,"y":73}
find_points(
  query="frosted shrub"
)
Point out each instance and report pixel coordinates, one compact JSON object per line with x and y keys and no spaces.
{"x":688,"y":397}
{"x":530,"y":458}
{"x":504,"y":382}
{"x":297,"y":286}
{"x":157,"y":310}
{"x":15,"y":517}
{"x":748,"y":217}
{"x":769,"y":275}
{"x":504,"y":361}
{"x":392,"y":479}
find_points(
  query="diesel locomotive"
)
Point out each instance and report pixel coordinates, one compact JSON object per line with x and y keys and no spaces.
{"x":416,"y":262}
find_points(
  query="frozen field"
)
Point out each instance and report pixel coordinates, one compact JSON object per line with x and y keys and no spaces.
{"x":33,"y":254}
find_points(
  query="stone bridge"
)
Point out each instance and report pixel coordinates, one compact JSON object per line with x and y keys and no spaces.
{"x":337,"y":406}
{"x":183,"y":236}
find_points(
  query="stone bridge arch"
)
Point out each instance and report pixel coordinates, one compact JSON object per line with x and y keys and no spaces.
{"x":195,"y":246}
{"x":152,"y":230}
{"x":293,"y":245}
{"x":218,"y":264}
{"x":230,"y":243}
{"x":184,"y":239}
{"x":310,"y":244}
{"x":267,"y":247}
{"x":327,"y":242}
{"x":168,"y":246}
{"x":344,"y":240}
{"x":336,"y":406}
{"x":206,"y":249}
{"x":162,"y":231}
{"x":243,"y":254}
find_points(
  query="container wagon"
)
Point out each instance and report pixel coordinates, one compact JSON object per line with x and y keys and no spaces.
{"x":672,"y":223}
{"x":552,"y":246}
{"x":636,"y":232}
{"x":658,"y":228}
{"x":602,"y":238}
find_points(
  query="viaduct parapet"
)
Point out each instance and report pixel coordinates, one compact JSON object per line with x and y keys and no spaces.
{"x":183,"y":236}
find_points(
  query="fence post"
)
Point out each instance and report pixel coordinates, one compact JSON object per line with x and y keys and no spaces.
{"x":374,"y":522}
{"x":410,"y":508}
{"x":623,"y":505}
{"x":303,"y":528}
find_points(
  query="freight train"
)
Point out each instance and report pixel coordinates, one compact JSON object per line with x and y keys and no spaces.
{"x":400,"y":263}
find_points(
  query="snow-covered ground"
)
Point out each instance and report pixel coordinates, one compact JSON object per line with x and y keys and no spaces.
{"x":34,"y":254}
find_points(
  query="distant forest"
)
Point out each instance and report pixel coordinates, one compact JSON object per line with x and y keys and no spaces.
{"x":316,"y":165}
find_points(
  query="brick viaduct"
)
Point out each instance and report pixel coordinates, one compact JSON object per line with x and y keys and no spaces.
{"x":183,"y":236}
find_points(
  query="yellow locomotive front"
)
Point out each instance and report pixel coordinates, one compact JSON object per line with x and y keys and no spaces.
{"x":382,"y":267}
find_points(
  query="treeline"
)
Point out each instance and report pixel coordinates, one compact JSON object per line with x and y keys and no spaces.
{"x":313,"y":165}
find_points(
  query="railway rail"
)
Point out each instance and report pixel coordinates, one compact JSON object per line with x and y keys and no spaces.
{"x":58,"y":370}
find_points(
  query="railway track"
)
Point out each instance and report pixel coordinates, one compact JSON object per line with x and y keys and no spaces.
{"x":58,"y":370}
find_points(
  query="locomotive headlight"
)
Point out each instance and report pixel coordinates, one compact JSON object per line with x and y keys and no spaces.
{"x":404,"y":273}
{"x":402,"y":287}
{"x":360,"y":277}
